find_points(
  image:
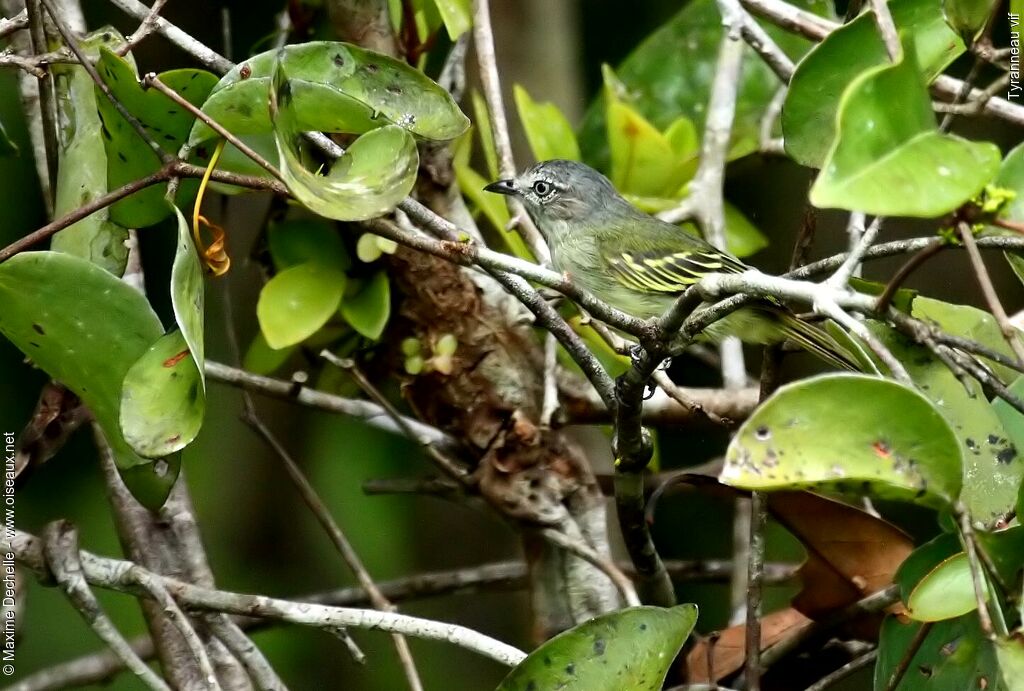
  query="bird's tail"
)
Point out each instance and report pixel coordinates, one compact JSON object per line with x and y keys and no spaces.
{"x":814,"y":340}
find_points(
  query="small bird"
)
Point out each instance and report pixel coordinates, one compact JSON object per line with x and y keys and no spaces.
{"x":638,"y":263}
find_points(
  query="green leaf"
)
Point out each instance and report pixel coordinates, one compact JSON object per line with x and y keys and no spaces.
{"x":821,"y":78}
{"x":457,"y":16}
{"x":295,"y":303}
{"x":128,"y":156}
{"x":922,"y":565}
{"x":163,"y":400}
{"x":368,"y":309}
{"x":262,"y":359}
{"x":946,"y":592}
{"x":482,"y":125}
{"x":847,"y":430}
{"x":82,"y":170}
{"x":336,"y":87}
{"x":896,"y":162}
{"x":376,"y":172}
{"x":298,"y":241}
{"x":968,"y":322}
{"x":742,"y":238}
{"x":628,"y":649}
{"x":547,"y":129}
{"x":1011,"y":176}
{"x":188,"y":295}
{"x":85,"y":328}
{"x":954,"y":656}
{"x":643,"y":160}
{"x":670,"y":73}
{"x":992,"y":468}
{"x":967,"y":17}
{"x":1010,"y":653}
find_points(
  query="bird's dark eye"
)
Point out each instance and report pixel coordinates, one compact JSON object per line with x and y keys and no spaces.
{"x":543,"y":188}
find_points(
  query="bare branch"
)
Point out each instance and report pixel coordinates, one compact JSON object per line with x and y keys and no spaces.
{"x":371,"y":413}
{"x":995,"y":306}
{"x":59,"y":555}
{"x":112,"y":574}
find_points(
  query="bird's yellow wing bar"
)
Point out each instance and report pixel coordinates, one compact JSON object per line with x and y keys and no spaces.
{"x":659,"y":272}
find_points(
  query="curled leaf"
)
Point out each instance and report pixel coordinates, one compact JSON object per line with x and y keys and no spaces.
{"x":376,"y":172}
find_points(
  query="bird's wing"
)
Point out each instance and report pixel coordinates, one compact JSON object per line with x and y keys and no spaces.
{"x":666,"y":261}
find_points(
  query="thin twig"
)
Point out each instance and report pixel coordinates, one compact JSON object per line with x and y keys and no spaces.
{"x":72,"y":43}
{"x":16,"y":23}
{"x":903,"y":273}
{"x":977,"y":571}
{"x":147,"y":27}
{"x":887,"y":28}
{"x":908,"y":656}
{"x":444,"y":462}
{"x":170,"y":608}
{"x":245,"y":651}
{"x":111,"y":573}
{"x":846,"y":670}
{"x":47,"y":92}
{"x":483,"y":37}
{"x":151,"y":80}
{"x":369,"y":412}
{"x":860,"y":244}
{"x":755,"y":576}
{"x":59,"y":555}
{"x":97,"y":667}
{"x":175,"y":168}
{"x":995,"y":306}
{"x":605,"y":565}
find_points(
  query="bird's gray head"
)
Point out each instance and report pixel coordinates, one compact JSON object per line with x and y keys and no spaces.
{"x":556,"y":192}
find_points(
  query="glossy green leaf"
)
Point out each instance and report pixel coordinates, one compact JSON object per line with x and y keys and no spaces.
{"x":1011,"y":176}
{"x":262,"y":359}
{"x":992,"y":466}
{"x":163,"y":400}
{"x":188,"y":294}
{"x":295,"y":303}
{"x":367,"y":309}
{"x":809,"y":113}
{"x":895,"y":162}
{"x":298,"y":241}
{"x":547,"y":129}
{"x":82,"y":169}
{"x":923,"y":560}
{"x":946,"y":592}
{"x":85,"y":328}
{"x":847,"y":430}
{"x":128,"y":156}
{"x":336,"y":87}
{"x":968,"y":322}
{"x":628,"y":649}
{"x":954,"y":656}
{"x":1010,"y":653}
{"x":643,"y":160}
{"x":457,"y":16}
{"x":967,"y":17}
{"x":670,"y":74}
{"x":376,"y":172}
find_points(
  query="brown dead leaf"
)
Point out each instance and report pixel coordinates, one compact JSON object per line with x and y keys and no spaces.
{"x":850,"y":553}
{"x":729,"y":648}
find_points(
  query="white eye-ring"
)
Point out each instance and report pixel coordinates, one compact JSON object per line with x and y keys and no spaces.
{"x":543,"y":188}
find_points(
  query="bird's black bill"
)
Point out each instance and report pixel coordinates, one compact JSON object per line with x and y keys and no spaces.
{"x":501,"y":187}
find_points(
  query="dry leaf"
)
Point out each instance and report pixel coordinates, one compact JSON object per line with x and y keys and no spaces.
{"x":729,"y":649}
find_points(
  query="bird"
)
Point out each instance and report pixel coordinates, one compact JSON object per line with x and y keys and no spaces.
{"x":641,"y":264}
